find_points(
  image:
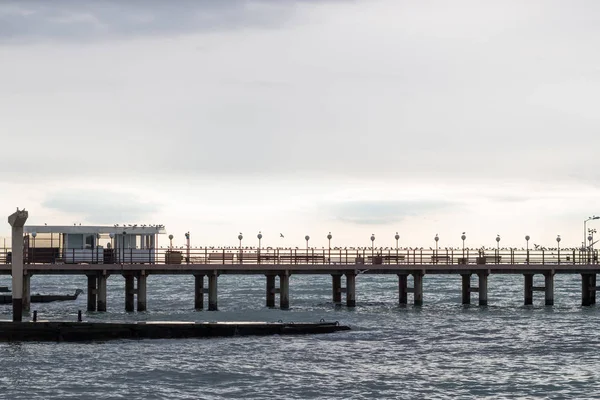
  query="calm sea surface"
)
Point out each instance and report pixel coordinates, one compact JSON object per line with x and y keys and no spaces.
{"x":440,"y":350}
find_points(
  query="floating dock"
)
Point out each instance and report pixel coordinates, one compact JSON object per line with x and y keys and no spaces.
{"x":59,"y":331}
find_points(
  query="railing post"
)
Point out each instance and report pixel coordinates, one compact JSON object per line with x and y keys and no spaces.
{"x":543,"y":257}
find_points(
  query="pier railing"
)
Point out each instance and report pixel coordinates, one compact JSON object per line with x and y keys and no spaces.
{"x":303,"y":256}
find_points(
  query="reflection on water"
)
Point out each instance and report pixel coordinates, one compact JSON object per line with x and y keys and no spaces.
{"x":440,"y":350}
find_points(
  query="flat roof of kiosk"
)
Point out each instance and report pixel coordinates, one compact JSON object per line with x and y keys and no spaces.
{"x":130,"y":230}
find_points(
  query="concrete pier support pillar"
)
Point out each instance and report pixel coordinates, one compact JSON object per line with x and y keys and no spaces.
{"x":284,"y":291}
{"x":270,"y":291}
{"x":402,"y":289}
{"x":528,"y":289}
{"x":199,"y":292}
{"x":129,"y":292}
{"x":586,"y":293}
{"x":17,"y":221}
{"x":350,"y":289}
{"x":466,"y":288}
{"x":593,"y":292}
{"x":418,"y":288}
{"x":26,"y":292}
{"x":141,"y":292}
{"x":549,"y":288}
{"x":102,"y":292}
{"x":483,"y":292}
{"x":336,"y":285}
{"x":91,"y":292}
{"x":212,"y":292}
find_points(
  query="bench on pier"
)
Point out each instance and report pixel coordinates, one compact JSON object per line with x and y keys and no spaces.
{"x":254,"y":258}
{"x":437,"y":259}
{"x":220,"y":257}
{"x":302,"y":259}
{"x":489,"y":260}
{"x":385,"y":259}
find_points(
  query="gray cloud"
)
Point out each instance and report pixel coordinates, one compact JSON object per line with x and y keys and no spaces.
{"x":75,"y":20}
{"x":374,"y":212}
{"x":102,"y":207}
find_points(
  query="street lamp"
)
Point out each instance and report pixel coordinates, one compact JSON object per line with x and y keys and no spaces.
{"x":498,"y":248}
{"x":329,"y":247}
{"x":307,"y":238}
{"x":397,"y":237}
{"x":584,"y":227}
{"x":437,"y":239}
{"x":240,"y":237}
{"x":527,"y":240}
{"x":591,"y":239}
{"x":259,"y":236}
{"x":558,"y":246}
{"x":372,"y":244}
{"x":33,"y":235}
{"x":170,"y":241}
{"x":187,"y":239}
{"x":463,"y":237}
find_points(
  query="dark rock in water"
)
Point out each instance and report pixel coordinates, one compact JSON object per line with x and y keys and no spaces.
{"x":90,"y":331}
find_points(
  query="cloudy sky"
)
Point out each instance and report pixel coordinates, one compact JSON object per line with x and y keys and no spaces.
{"x":304,"y":117}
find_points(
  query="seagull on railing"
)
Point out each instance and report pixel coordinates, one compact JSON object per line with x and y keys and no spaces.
{"x":281,"y":235}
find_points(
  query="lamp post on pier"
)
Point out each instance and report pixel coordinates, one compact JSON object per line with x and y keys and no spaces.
{"x":259,"y":237}
{"x":593,"y":217}
{"x":372,"y":245}
{"x":558,"y":247}
{"x":591,"y":246}
{"x":329,"y":247}
{"x":527,"y":240}
{"x":437,"y":239}
{"x":32,"y":255}
{"x":170,"y":242}
{"x":463,"y":237}
{"x":307,"y":238}
{"x":498,"y":249}
{"x":187,"y":240}
{"x":397,"y":237}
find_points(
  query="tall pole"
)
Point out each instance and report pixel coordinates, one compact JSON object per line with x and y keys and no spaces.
{"x":32,"y":255}
{"x":17,"y":221}
{"x":397,"y":237}
{"x":437,"y":239}
{"x":558,"y":247}
{"x":463,"y":237}
{"x":584,"y":229}
{"x":307,"y":238}
{"x":372,"y":245}
{"x":329,"y":247}
{"x":498,"y":249}
{"x":187,"y":238}
{"x":259,"y":236}
{"x":527,"y":240}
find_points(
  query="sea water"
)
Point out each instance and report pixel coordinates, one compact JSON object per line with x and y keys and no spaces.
{"x":439,"y":350}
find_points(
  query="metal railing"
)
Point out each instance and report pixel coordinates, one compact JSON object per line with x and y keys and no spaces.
{"x":306,"y":256}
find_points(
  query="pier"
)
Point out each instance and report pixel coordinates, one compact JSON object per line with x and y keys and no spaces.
{"x":409,"y":266}
{"x":99,"y":252}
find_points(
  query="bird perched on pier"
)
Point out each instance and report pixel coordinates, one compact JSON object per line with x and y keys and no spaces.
{"x":281,"y":235}
{"x":537,"y":246}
